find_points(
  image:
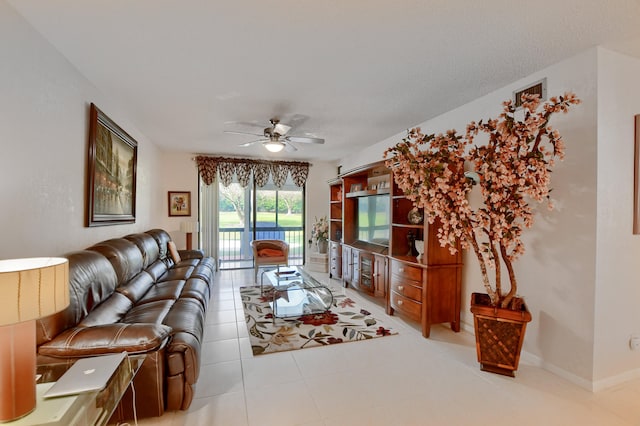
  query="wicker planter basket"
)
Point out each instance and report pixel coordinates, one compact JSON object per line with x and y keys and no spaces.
{"x":499,"y":334}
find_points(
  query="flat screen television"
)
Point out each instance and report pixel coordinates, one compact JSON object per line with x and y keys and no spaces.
{"x":374,"y":218}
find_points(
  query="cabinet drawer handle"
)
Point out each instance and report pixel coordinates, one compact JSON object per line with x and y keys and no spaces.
{"x":400,"y":269}
{"x":400,"y":287}
{"x":400,"y":302}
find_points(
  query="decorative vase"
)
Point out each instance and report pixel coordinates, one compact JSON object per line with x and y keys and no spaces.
{"x":322,"y":246}
{"x":499,"y":334}
{"x":411,"y":239}
{"x":419,"y":244}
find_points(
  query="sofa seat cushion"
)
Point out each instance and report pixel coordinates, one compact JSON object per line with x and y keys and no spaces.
{"x":110,"y":311}
{"x":152,"y":312}
{"x":186,"y":315}
{"x":186,"y":263}
{"x":112,"y":338}
{"x":198,"y":289}
{"x":177,"y":273}
{"x":157,"y":269}
{"x":137,"y":286}
{"x":164,"y":290}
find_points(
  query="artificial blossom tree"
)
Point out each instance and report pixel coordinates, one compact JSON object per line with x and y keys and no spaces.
{"x":512,"y":168}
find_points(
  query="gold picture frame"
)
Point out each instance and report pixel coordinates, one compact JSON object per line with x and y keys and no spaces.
{"x":111,"y":172}
{"x":179,"y":203}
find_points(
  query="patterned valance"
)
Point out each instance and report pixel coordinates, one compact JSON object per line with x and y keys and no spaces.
{"x":243,"y":167}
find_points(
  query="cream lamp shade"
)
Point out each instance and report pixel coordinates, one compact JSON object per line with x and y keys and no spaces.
{"x":32,"y":288}
{"x":189,"y":226}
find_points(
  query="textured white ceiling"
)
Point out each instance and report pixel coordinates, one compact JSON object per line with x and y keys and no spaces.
{"x":357,"y":71}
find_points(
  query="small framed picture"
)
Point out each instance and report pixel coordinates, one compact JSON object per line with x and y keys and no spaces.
{"x":356,"y":187}
{"x":179,"y":203}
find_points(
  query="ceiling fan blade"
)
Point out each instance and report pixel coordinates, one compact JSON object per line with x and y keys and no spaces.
{"x":243,"y":125}
{"x":281,"y":129}
{"x":297,"y":120}
{"x":243,"y":133}
{"x":253,"y":142}
{"x":304,"y":139}
{"x":289,"y":147}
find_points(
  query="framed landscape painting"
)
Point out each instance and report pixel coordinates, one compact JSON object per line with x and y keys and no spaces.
{"x":179,"y":203}
{"x":111,"y":172}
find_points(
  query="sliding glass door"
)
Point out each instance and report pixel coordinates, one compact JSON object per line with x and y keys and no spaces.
{"x":251,"y":213}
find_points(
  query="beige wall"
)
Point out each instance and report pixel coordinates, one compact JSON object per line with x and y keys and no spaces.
{"x":44,"y":116}
{"x":618,"y":251}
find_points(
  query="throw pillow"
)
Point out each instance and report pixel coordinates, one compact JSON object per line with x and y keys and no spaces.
{"x":267,"y":252}
{"x":173,"y":251}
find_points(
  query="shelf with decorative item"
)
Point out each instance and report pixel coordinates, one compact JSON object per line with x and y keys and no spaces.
{"x":367,"y":192}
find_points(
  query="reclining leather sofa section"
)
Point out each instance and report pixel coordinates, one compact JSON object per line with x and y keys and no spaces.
{"x":129,"y":294}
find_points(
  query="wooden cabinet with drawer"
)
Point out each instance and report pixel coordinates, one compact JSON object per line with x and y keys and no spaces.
{"x":427,"y":294}
{"x":405,"y":289}
{"x":335,"y":259}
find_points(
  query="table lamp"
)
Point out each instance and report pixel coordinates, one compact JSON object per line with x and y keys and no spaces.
{"x":189,"y":228}
{"x":31,"y":289}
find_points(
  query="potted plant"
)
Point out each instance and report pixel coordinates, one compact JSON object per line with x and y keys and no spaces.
{"x":512,"y":168}
{"x":320,"y":234}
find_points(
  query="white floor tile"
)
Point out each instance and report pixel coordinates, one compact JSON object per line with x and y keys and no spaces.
{"x":220,"y":317}
{"x":266,"y":371}
{"x":220,"y":351}
{"x":395,"y":380}
{"x":285,"y":404}
{"x":228,"y":409}
{"x":222,"y":331}
{"x":216,"y":379}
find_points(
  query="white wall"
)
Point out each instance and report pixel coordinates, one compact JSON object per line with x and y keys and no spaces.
{"x":318,"y":197}
{"x":178,"y":172}
{"x":618,"y":278}
{"x":557,"y":273}
{"x":44,"y":116}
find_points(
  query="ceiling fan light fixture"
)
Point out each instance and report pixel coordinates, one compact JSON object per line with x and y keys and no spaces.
{"x":274,"y":146}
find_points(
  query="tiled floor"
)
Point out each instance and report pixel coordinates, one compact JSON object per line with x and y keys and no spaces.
{"x":396,"y":380}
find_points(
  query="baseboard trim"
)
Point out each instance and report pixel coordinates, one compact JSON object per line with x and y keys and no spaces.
{"x":591,"y":386}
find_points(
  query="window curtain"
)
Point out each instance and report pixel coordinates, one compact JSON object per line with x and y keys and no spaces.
{"x":242,"y":168}
{"x":209,"y":219}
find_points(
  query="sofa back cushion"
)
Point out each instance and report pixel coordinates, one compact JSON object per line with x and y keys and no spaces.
{"x":92,"y":280}
{"x":147,"y":246}
{"x":162,"y":238}
{"x":125,"y":257}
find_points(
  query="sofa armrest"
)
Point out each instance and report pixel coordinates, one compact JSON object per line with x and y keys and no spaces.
{"x":191,"y":254}
{"x":109,"y":338}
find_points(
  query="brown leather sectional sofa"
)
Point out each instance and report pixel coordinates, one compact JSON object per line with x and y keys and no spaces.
{"x":127,"y":294}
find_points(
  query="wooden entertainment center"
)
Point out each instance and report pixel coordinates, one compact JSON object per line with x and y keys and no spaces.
{"x":371,"y":250}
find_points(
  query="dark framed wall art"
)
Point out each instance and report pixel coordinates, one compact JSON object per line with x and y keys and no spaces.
{"x":636,"y":178}
{"x":179,"y":203}
{"x":111,"y":172}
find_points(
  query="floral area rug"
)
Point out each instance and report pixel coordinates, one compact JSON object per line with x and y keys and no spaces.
{"x":344,"y":322}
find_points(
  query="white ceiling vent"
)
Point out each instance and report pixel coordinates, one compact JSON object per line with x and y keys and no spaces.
{"x":539,"y":88}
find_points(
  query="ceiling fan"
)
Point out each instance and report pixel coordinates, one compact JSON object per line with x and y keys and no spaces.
{"x":275,"y":138}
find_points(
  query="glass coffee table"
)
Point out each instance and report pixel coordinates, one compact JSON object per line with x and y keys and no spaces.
{"x":296,"y":293}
